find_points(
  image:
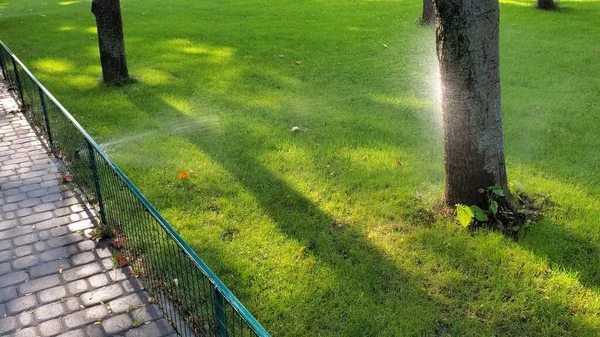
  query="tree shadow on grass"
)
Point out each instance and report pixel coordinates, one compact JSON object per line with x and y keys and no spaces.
{"x":366,"y":280}
{"x":565,"y":250}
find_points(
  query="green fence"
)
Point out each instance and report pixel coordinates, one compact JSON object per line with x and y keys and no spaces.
{"x":192,"y":297}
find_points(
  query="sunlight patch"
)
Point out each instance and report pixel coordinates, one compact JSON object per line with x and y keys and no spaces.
{"x":410,"y":102}
{"x":92,"y":30}
{"x":152,"y":76}
{"x":518,"y":3}
{"x":67,"y":3}
{"x":53,"y":66}
{"x":66,"y":28}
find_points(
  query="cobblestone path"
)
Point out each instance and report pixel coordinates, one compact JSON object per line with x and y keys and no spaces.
{"x":54,"y":280}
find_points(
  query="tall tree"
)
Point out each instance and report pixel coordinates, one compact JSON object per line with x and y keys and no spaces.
{"x":428,"y":16}
{"x":546,"y":4}
{"x":467,"y":37}
{"x":110,"y":40}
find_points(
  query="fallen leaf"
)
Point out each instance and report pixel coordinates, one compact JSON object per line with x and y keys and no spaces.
{"x":385,"y":45}
{"x":122,"y":260}
{"x":67,"y":177}
{"x":298,"y":63}
{"x":118,"y":243}
{"x":183,"y":175}
{"x":398,"y":162}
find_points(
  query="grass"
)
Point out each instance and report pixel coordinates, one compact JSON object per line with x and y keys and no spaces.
{"x":320,"y":232}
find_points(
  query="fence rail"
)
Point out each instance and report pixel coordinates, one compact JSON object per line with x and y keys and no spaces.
{"x":192,"y":297}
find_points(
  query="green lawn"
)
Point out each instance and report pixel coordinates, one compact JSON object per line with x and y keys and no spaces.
{"x":320,"y":232}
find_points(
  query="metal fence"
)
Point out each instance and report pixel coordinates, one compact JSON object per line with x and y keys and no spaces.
{"x":192,"y":297}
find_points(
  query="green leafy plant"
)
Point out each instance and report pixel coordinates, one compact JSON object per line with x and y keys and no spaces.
{"x":468,"y":215}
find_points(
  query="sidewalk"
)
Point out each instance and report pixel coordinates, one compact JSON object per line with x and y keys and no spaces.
{"x":54,"y":280}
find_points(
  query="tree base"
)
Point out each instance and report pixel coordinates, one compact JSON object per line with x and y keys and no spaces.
{"x":119,"y":82}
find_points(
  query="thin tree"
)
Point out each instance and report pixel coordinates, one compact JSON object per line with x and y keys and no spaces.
{"x":467,"y":36}
{"x":110,"y":41}
{"x":428,"y":16}
{"x":546,"y":4}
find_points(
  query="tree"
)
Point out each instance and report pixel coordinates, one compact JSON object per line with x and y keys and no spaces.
{"x":110,"y":40}
{"x":428,"y":17}
{"x":467,"y":36}
{"x":546,"y":4}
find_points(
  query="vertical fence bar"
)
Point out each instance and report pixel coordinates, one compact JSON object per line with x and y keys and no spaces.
{"x":220,"y":313}
{"x":94,"y":167}
{"x":46,"y":119}
{"x":19,"y":87}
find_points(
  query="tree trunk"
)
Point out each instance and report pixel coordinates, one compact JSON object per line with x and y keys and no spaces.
{"x":468,"y":54}
{"x":110,"y":40}
{"x":428,"y":17}
{"x":546,"y":4}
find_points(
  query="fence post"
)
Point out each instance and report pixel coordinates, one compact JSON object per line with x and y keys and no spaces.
{"x":92,"y":154}
{"x":220,"y":313}
{"x":18,"y":80}
{"x":46,"y":119}
{"x":3,"y":66}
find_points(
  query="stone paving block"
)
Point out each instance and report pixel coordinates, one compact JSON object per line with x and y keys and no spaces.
{"x":49,"y":268}
{"x":25,"y":319}
{"x":147,"y":313}
{"x":5,"y":244}
{"x":36,"y":218}
{"x":59,"y":231}
{"x":72,"y":304}
{"x":49,"y":311}
{"x":86,"y":245}
{"x":14,"y":232}
{"x":153,"y":329}
{"x":44,"y":207}
{"x":5,"y":268}
{"x":129,"y":302}
{"x":82,"y":271}
{"x":10,"y":207}
{"x":21,"y":304}
{"x":82,"y":258}
{"x":117,"y":324}
{"x":80,"y":225}
{"x":39,"y":284}
{"x":132,"y":285}
{"x":99,"y":280}
{"x":31,"y":202}
{"x":13,"y":278}
{"x":78,"y":287}
{"x":23,"y":251}
{"x":25,"y":262}
{"x":52,"y":294}
{"x":74,"y":333}
{"x":65,"y":240}
{"x":25,"y":239}
{"x":7,"y":294}
{"x":101,"y":295}
{"x":27,"y":332}
{"x":24,"y":212}
{"x":7,"y":325}
{"x":95,"y":331}
{"x":8,"y":224}
{"x":84,"y":317}
{"x":50,"y":328}
{"x":6,"y":255}
{"x":51,"y":223}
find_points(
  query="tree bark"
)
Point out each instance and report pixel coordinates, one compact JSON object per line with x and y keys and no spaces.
{"x":428,"y":17}
{"x":546,"y":4}
{"x":110,"y":40}
{"x":468,"y":53}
